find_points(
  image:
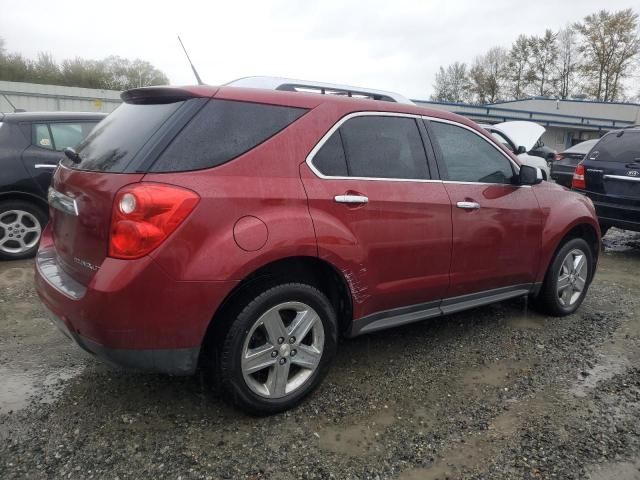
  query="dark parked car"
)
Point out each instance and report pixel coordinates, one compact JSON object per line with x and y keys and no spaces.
{"x":30,"y":149}
{"x":565,"y":163}
{"x":610,"y":176}
{"x":246,"y":229}
{"x":542,"y":151}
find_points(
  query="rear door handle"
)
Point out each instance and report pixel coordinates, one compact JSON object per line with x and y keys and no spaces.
{"x":351,"y":199}
{"x":468,"y":205}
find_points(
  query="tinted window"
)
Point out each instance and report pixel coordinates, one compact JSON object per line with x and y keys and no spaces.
{"x":223,"y":130}
{"x":469,"y":158}
{"x":42,"y":136}
{"x":330,"y":159}
{"x":116,"y":139}
{"x":614,"y":148}
{"x":384,"y":147}
{"x":69,"y":134}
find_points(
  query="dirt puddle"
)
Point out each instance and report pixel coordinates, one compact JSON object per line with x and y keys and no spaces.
{"x":19,"y":389}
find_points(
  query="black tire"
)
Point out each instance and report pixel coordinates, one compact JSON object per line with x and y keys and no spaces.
{"x":548,"y":300}
{"x":234,"y":388}
{"x":35,"y":212}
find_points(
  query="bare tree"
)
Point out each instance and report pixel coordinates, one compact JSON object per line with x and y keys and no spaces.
{"x":567,"y":62}
{"x":518,"y":75}
{"x":544,"y":54}
{"x":609,"y":44}
{"x":452,"y":84}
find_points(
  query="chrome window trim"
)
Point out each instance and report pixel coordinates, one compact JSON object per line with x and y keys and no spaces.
{"x":341,"y":121}
{"x":337,"y":125}
{"x":45,"y":165}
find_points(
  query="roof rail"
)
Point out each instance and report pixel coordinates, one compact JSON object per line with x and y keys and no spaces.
{"x":291,"y":85}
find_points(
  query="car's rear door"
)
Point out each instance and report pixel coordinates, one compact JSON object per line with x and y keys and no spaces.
{"x":497,"y":224}
{"x":378,"y":213}
{"x":612,"y":176}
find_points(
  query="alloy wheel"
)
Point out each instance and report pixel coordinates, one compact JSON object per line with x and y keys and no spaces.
{"x":572,"y":278}
{"x":282,"y":349}
{"x":19,"y":231}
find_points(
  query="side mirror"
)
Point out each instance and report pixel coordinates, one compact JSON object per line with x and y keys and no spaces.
{"x":521,"y":150}
{"x":530,"y":175}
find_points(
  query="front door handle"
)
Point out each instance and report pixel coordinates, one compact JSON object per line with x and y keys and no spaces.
{"x":468,"y":205}
{"x":351,"y":199}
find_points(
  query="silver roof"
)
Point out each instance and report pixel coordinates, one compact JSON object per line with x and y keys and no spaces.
{"x":290,"y":84}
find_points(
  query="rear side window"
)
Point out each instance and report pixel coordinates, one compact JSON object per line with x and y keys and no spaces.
{"x":222,"y":131}
{"x":384,"y":147}
{"x":116,"y":139}
{"x":613,"y":148}
{"x":374,"y":147}
{"x":42,"y":136}
{"x":469,"y":158}
{"x":69,"y":134}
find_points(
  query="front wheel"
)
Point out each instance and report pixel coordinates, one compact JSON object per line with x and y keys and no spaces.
{"x":278,"y":349}
{"x":567,"y":279}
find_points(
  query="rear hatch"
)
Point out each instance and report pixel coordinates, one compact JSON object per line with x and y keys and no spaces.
{"x":116,"y":153}
{"x":612,"y":167}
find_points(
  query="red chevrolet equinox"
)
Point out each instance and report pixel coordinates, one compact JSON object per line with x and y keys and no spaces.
{"x":246,"y":229}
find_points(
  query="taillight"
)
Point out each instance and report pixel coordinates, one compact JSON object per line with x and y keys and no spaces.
{"x":558,"y":156}
{"x":578,"y":178}
{"x":144,"y":215}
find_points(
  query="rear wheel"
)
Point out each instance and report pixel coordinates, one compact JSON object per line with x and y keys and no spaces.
{"x":278,"y":349}
{"x":21,"y":225}
{"x":567,"y":279}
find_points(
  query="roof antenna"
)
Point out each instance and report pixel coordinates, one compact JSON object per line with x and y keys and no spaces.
{"x":195,"y":72}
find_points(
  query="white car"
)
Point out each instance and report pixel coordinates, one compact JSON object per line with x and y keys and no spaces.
{"x":520,"y":137}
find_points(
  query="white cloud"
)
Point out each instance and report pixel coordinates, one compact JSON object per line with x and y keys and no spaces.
{"x":388,"y":45}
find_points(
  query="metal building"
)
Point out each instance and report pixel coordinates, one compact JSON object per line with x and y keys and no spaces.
{"x":567,"y":122}
{"x":34,"y":97}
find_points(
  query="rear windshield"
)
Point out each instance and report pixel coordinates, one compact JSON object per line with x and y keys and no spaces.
{"x":114,"y":142}
{"x":613,"y":148}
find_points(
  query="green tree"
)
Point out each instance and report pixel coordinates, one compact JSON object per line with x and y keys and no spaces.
{"x":609,"y":44}
{"x":519,"y":72}
{"x":487,"y":76}
{"x":567,"y":63}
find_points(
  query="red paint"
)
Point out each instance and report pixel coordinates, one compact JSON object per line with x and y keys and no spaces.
{"x":408,"y":245}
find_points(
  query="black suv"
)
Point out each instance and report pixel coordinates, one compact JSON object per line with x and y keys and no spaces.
{"x":610,"y":176}
{"x":30,"y":148}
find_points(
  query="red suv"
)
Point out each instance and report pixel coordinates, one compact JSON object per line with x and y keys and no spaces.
{"x":247,"y":229}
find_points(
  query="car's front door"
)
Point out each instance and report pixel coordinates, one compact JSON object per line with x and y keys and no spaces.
{"x":378,"y":215}
{"x":497,"y":224}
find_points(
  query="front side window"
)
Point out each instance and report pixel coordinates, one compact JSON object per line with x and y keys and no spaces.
{"x":42,"y":136}
{"x":469,"y":158}
{"x":375,"y":147}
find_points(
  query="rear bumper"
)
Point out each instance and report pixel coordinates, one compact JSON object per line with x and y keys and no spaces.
{"x":177,"y":361}
{"x":612,"y":212}
{"x":131,"y":314}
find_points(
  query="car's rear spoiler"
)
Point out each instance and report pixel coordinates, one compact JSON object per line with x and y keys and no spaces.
{"x":155,"y":95}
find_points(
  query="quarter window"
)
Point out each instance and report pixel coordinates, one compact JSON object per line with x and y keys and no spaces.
{"x":374,"y":147}
{"x":469,"y":158}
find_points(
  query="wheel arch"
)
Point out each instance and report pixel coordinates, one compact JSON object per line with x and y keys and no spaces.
{"x":582,"y":228}
{"x":307,"y":269}
{"x":27,"y":197}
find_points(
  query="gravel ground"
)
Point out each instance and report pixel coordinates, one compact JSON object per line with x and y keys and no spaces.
{"x":499,"y":392}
